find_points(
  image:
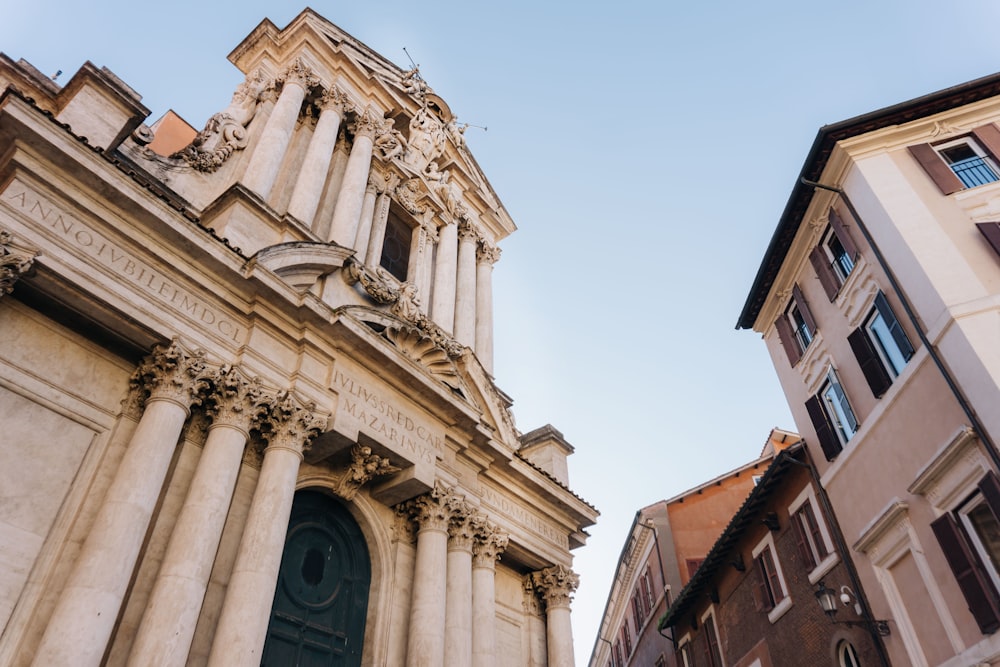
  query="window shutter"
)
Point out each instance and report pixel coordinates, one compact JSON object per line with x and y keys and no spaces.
{"x":871,"y":364}
{"x":991,"y":230}
{"x":798,"y":519}
{"x":990,"y":488}
{"x":761,"y":598}
{"x":988,"y":136}
{"x":898,"y":335}
{"x":787,"y":339}
{"x":828,"y":441}
{"x":800,"y":301}
{"x":824,"y":271}
{"x":979,"y":592}
{"x":841,"y":231}
{"x":940,"y":173}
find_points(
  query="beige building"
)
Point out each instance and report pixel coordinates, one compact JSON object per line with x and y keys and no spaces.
{"x":879,"y":301}
{"x":246,"y":380}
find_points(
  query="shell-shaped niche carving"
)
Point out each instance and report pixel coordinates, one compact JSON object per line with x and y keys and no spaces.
{"x":422,"y":349}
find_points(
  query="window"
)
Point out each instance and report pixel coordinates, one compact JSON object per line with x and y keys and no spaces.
{"x":396,"y":246}
{"x":811,"y":533}
{"x":626,"y":640}
{"x":770,"y":592}
{"x":846,"y":655}
{"x":965,"y":162}
{"x":713,"y":658}
{"x":834,"y":257}
{"x":684,"y":658}
{"x":881,"y":346}
{"x":796,"y":327}
{"x":618,"y":654}
{"x":832,"y":416}
{"x":647,"y":589}
{"x":970,"y":539}
{"x":774,"y":591}
{"x":638,"y":613}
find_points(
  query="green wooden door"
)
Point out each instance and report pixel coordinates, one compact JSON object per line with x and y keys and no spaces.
{"x":318,"y":615}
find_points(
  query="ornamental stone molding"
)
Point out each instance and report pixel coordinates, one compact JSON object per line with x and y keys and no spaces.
{"x":368,"y":123}
{"x":238,"y":401}
{"x":376,"y":284}
{"x":433,"y":510}
{"x":175,"y":374}
{"x":225,"y":132}
{"x":489,"y":542}
{"x":365,"y":466}
{"x":299,"y":73}
{"x":14,"y":262}
{"x":334,"y":99}
{"x":556,"y":585}
{"x":291,"y":424}
{"x":487,"y":252}
{"x":460,"y":531}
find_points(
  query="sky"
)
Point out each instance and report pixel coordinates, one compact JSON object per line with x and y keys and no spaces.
{"x":644,"y":149}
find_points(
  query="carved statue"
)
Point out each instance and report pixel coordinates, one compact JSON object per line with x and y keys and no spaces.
{"x":365,"y":466}
{"x":390,"y":143}
{"x":414,"y":84}
{"x":427,"y":139}
{"x":457,"y":132}
{"x":407,"y":306}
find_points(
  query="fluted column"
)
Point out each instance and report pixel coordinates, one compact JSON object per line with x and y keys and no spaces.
{"x":341,"y":154}
{"x":85,"y":615}
{"x":425,"y":644}
{"x":446,"y":264}
{"x":246,"y":611}
{"x":262,"y":171}
{"x":487,"y":546}
{"x":367,"y":214}
{"x":312,"y":176}
{"x":13,"y":263}
{"x":486,"y":256}
{"x":171,"y":616}
{"x":418,"y":271}
{"x":556,"y":586}
{"x":346,"y":214}
{"x":458,"y":615}
{"x":465,"y":293}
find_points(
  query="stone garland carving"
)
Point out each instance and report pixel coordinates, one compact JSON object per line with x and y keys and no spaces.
{"x":225,"y":132}
{"x":290,"y":424}
{"x":376,"y":284}
{"x":13,"y":264}
{"x":173,"y":373}
{"x":365,"y":466}
{"x":556,"y":585}
{"x":490,"y":542}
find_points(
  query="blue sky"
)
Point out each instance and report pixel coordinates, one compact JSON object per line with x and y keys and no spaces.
{"x":644,"y":149}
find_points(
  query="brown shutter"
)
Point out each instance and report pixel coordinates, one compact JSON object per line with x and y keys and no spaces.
{"x":991,"y":230}
{"x":841,"y":231}
{"x":940,"y":173}
{"x":988,"y":136}
{"x":828,"y":441}
{"x":979,"y":592}
{"x":807,"y":315}
{"x":788,"y":340}
{"x":798,"y":519}
{"x":990,"y":488}
{"x":824,"y":272}
{"x":871,"y":364}
{"x":761,"y":596}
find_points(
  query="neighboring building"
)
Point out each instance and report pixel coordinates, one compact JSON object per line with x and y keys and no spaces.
{"x":246,"y":380}
{"x":753,"y":601}
{"x":667,"y":542}
{"x":878,"y":299}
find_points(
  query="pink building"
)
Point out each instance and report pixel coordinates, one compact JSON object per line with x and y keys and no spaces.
{"x":878,"y":299}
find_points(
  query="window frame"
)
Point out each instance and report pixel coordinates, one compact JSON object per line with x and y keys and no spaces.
{"x":778,"y":605}
{"x":818,"y":563}
{"x":828,"y":262}
{"x":833,"y":438}
{"x":980,"y":152}
{"x":876,"y":343}
{"x":790,"y":328}
{"x":985,"y":137}
{"x":713,"y":647}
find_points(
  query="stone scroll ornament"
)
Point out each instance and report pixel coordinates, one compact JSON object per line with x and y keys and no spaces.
{"x":13,"y":263}
{"x":365,"y":466}
{"x":225,"y":132}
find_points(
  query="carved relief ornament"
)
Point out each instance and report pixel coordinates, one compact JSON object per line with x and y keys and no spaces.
{"x":173,"y":373}
{"x":490,"y":542}
{"x":300,"y":74}
{"x":368,"y":123}
{"x":13,"y":263}
{"x":238,"y":401}
{"x":365,"y":466}
{"x":291,"y":424}
{"x":487,"y":253}
{"x":556,"y":585}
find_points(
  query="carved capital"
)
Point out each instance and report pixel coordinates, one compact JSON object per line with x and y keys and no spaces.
{"x":487,"y":253}
{"x":460,"y":531}
{"x":489,"y":543}
{"x":14,"y":263}
{"x":334,"y":99}
{"x":299,"y":73}
{"x":290,"y":424}
{"x":238,"y":401}
{"x":556,"y":585}
{"x":467,"y":231}
{"x":432,"y":511}
{"x":175,"y":374}
{"x":368,"y":123}
{"x":365,"y":466}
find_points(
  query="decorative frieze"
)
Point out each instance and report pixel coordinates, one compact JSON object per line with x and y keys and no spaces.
{"x":365,"y":466}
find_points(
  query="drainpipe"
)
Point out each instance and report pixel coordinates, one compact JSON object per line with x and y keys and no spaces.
{"x":977,"y":426}
{"x":663,"y":576}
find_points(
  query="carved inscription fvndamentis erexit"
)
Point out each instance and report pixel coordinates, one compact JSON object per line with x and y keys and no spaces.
{"x":82,"y":238}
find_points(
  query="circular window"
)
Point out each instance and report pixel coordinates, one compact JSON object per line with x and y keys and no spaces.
{"x":848,"y":655}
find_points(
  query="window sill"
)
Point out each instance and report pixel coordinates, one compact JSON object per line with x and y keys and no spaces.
{"x":823,"y":568}
{"x":780,"y":609}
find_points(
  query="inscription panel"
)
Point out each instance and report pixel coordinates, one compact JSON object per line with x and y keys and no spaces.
{"x":520,"y":515}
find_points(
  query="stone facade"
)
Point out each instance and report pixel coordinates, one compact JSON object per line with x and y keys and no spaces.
{"x":252,"y":370}
{"x":878,"y":302}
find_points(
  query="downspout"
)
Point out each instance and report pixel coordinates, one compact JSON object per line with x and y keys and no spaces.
{"x":663,"y":576}
{"x":977,"y":426}
{"x":845,"y":556}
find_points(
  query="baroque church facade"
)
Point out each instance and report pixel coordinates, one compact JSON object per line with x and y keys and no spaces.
{"x":246,"y":380}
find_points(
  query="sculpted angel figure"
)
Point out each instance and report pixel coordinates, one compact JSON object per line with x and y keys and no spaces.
{"x":390,"y":143}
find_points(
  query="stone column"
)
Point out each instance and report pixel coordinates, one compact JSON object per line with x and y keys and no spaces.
{"x":535,"y":630}
{"x":446,"y":264}
{"x":321,"y":226}
{"x":489,"y":543}
{"x":458,"y":615}
{"x":269,"y":153}
{"x":465,"y":297}
{"x":556,"y":585}
{"x":367,"y":214}
{"x":246,"y":611}
{"x":85,"y":615}
{"x":13,"y":264}
{"x":424,"y":235}
{"x":487,"y":255}
{"x":425,"y":644}
{"x":168,"y":624}
{"x":380,"y":218}
{"x":347,"y":212}
{"x":312,"y":176}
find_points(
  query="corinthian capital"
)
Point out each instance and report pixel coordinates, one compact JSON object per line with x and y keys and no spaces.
{"x":300,"y":73}
{"x":487,"y":253}
{"x":556,"y":585}
{"x":335,"y":99}
{"x":433,"y":510}
{"x":368,"y":123}
{"x":488,"y":544}
{"x":292,"y":424}
{"x":173,"y":373}
{"x":238,"y":401}
{"x":467,"y":231}
{"x":13,"y":264}
{"x":460,"y":530}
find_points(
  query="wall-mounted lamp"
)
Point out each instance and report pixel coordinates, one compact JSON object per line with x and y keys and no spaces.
{"x":827,"y":599}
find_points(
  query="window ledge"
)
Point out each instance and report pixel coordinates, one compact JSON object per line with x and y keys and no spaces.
{"x":823,"y":568}
{"x":780,"y":609}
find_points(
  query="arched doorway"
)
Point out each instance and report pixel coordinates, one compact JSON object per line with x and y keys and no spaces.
{"x":318,"y":615}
